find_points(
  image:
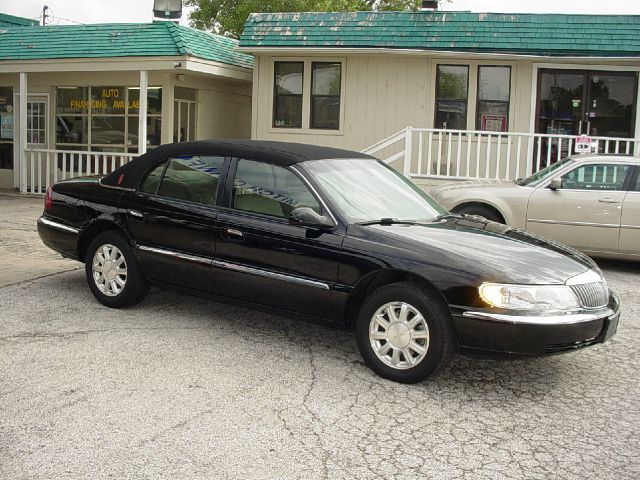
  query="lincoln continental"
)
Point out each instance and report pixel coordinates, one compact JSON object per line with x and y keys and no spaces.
{"x":333,"y":236}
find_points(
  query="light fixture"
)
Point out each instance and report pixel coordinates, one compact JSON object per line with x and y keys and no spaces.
{"x":177,"y":64}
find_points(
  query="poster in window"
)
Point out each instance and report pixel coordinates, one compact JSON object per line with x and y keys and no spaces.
{"x":6,"y":126}
{"x":494,"y":123}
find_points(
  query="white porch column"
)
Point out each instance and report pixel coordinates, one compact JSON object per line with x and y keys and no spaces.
{"x":142,"y":119}
{"x":22,"y":140}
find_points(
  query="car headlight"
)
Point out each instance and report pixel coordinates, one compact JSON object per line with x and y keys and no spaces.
{"x":529,"y":297}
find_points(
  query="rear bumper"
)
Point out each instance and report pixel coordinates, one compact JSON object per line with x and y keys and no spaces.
{"x":59,"y":236}
{"x":536,"y":335}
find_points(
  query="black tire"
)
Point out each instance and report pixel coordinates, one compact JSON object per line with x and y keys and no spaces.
{"x":135,"y":287}
{"x":482,"y":211}
{"x":441,"y":341}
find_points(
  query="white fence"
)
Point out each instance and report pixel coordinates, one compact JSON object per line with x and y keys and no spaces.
{"x":45,"y":167}
{"x":472,"y":154}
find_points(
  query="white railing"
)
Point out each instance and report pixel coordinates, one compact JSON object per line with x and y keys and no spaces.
{"x":46,"y":167}
{"x":472,"y":154}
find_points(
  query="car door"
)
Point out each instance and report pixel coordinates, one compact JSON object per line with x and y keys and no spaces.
{"x":172,"y":217}
{"x":630,"y":223}
{"x":260,"y":256}
{"x":586,"y":211}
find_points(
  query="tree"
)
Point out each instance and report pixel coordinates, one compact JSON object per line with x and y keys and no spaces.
{"x":227,"y":17}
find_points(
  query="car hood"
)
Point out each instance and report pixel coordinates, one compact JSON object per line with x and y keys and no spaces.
{"x":471,"y":184}
{"x":490,"y":250}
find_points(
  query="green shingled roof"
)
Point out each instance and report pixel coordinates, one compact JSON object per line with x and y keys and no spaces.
{"x":118,"y":40}
{"x":13,"y":21}
{"x":524,"y":34}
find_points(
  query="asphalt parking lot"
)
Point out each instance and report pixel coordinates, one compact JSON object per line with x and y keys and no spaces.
{"x":179,"y":387}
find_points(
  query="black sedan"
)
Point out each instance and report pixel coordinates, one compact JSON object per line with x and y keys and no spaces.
{"x":328,"y":235}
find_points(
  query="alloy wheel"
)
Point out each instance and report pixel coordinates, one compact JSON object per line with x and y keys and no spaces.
{"x":399,"y":335}
{"x":109,"y":270}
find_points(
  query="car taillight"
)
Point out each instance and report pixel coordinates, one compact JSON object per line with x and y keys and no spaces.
{"x":47,"y":199}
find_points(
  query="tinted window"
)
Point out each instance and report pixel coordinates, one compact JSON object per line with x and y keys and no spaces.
{"x":269,"y":189}
{"x":151,"y":182}
{"x":595,"y":177}
{"x":192,"y":178}
{"x":637,"y":183}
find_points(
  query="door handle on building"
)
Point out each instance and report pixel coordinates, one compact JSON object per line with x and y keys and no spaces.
{"x":608,"y":200}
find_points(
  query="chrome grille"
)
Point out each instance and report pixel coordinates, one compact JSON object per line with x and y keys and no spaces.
{"x":591,"y":295}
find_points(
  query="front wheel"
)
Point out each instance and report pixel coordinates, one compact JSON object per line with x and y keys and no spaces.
{"x":112,"y":272}
{"x":404,"y":333}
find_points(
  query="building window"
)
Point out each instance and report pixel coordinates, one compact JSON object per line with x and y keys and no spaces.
{"x":452,"y":91}
{"x":36,"y":122}
{"x":287,"y":94}
{"x":494,"y":92}
{"x":105,"y":118}
{"x":325,"y":95}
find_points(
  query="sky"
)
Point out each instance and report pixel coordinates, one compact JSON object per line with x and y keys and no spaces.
{"x":94,"y":11}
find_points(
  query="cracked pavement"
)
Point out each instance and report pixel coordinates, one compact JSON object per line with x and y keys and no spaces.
{"x":180,"y":387}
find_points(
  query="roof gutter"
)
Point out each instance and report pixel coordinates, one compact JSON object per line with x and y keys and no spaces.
{"x":420,"y":53}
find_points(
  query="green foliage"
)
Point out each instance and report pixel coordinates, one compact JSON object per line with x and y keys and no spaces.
{"x":227,"y":17}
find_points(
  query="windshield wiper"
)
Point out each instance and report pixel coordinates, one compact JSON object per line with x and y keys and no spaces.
{"x":388,"y":221}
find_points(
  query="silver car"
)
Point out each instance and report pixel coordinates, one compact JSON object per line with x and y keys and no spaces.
{"x":591,"y":202}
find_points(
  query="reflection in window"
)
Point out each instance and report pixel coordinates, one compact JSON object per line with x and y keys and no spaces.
{"x":595,"y":177}
{"x":152,"y":180}
{"x":105,"y":118}
{"x":192,"y":178}
{"x":494,"y":88}
{"x":452,"y":90}
{"x":287,"y":94}
{"x":270,"y":190}
{"x":325,"y":95}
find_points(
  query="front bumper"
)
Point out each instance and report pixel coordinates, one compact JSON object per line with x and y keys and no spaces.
{"x":484,"y":330}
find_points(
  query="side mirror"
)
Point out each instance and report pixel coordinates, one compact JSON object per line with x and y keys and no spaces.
{"x":307,"y":217}
{"x":556,"y":183}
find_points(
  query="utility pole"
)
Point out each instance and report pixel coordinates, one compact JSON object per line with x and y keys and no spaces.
{"x":44,"y":15}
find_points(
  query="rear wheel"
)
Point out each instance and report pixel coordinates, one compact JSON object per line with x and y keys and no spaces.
{"x":404,"y":332}
{"x":112,"y":272}
{"x":482,"y":211}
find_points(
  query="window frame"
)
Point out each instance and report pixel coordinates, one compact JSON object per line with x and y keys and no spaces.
{"x":227,"y":201}
{"x":478,"y":123}
{"x":222,"y":180}
{"x":275,"y":95}
{"x":625,"y":186}
{"x":312,"y":96}
{"x":306,"y":129}
{"x":436,"y":97}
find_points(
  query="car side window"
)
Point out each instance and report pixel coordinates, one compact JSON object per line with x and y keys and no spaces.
{"x":597,"y":177}
{"x":152,"y":180}
{"x":636,"y":188}
{"x":269,"y":189}
{"x":192,"y":177}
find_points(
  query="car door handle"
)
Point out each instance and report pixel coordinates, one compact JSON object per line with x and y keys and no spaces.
{"x":136,"y":214}
{"x":608,"y":200}
{"x":233,"y":233}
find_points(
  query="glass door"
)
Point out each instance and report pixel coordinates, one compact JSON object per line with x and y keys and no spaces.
{"x":611,"y":104}
{"x":581,"y":102}
{"x":561,"y":98}
{"x":184,"y":120}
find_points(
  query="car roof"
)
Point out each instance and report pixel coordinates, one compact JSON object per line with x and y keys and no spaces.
{"x":279,"y":153}
{"x":609,"y":157}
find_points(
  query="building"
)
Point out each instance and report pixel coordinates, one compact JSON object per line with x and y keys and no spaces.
{"x":81,"y":99}
{"x":488,"y":95}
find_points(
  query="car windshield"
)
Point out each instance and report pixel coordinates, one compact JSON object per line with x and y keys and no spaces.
{"x":547,"y":171}
{"x":368,"y":190}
